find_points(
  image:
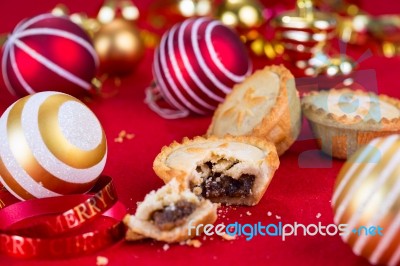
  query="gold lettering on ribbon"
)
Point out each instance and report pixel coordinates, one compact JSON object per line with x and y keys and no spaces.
{"x":18,"y":246}
{"x":2,"y":204}
{"x":17,"y":243}
{"x":87,"y":242}
{"x":5,"y":242}
{"x":70,"y":219}
{"x":33,"y":245}
{"x":92,"y":206}
{"x":110,"y":191}
{"x":100,"y":196}
{"x":81,"y":212}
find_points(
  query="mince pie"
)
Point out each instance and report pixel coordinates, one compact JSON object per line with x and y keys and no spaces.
{"x":266,"y":104}
{"x":230,"y":170}
{"x":344,"y":120}
{"x":165,"y":215}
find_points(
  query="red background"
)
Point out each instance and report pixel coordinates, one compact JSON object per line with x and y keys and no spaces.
{"x":298,"y":192}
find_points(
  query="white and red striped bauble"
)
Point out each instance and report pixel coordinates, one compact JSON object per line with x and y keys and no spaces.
{"x":196,"y":64}
{"x":367,"y":199}
{"x":48,"y":52}
{"x":51,"y":144}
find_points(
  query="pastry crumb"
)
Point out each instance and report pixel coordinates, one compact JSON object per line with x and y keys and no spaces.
{"x":278,"y":217}
{"x":194,"y":243}
{"x":130,"y":136}
{"x":101,"y":261}
{"x":165,"y":247}
{"x":118,"y":140}
{"x":228,"y":237}
{"x":318,"y":215}
{"x":248,"y":213}
{"x":123,"y":135}
{"x":269,"y":214}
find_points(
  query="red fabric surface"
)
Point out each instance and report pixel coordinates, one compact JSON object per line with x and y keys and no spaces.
{"x":297,"y":193}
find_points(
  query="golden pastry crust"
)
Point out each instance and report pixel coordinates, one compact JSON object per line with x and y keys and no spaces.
{"x":340,"y":135}
{"x":142,"y":224}
{"x":229,"y":157}
{"x":279,"y":123}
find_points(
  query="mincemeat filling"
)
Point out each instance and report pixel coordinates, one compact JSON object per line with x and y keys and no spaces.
{"x":216,"y":184}
{"x":173,"y":215}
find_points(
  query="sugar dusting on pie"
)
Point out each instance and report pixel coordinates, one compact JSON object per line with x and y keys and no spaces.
{"x":351,"y":104}
{"x":344,"y":120}
{"x":247,"y":109}
{"x":265,"y":105}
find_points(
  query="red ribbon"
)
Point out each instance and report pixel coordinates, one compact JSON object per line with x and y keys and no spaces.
{"x":63,"y":226}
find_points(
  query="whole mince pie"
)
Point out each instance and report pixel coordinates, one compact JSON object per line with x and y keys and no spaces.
{"x":343,"y":120}
{"x":165,"y":214}
{"x":230,"y":170}
{"x":266,"y":105}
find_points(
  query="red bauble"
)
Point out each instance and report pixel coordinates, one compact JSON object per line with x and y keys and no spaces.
{"x":196,"y":64}
{"x":48,"y":52}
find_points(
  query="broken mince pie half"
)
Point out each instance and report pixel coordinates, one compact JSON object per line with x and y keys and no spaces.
{"x":165,"y":215}
{"x":230,"y":170}
{"x":266,"y":104}
{"x":344,"y":120}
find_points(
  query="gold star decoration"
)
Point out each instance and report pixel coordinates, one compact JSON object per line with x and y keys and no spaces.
{"x":243,"y":108}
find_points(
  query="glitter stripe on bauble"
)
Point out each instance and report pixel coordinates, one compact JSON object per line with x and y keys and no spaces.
{"x":189,"y":67}
{"x":367,"y":193}
{"x":35,"y":44}
{"x":196,"y":64}
{"x":179,"y":75}
{"x":51,"y":144}
{"x":163,"y":55}
{"x":362,"y":171}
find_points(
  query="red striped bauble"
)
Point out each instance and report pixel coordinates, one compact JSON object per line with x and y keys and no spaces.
{"x":196,"y":64}
{"x":48,"y":52}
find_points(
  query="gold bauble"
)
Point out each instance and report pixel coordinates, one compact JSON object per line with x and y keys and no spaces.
{"x":240,"y":13}
{"x":119,"y":47}
{"x":367,"y":198}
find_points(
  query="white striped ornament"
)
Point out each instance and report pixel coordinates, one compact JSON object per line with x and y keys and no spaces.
{"x":53,"y":69}
{"x":196,"y":64}
{"x":367,"y":193}
{"x":51,"y":144}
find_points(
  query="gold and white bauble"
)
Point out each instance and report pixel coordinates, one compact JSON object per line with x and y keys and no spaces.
{"x":367,"y":198}
{"x":51,"y":144}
